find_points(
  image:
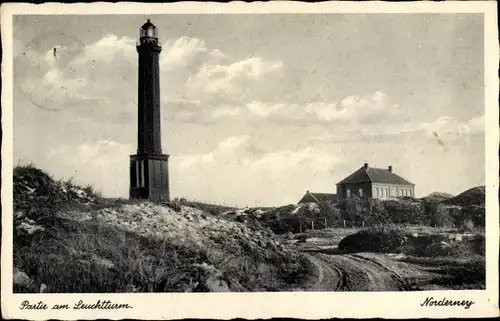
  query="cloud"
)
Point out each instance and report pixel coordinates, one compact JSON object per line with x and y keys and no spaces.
{"x":181,"y":59}
{"x":55,"y":91}
{"x":450,"y":126}
{"x":103,"y":75}
{"x":351,"y":108}
{"x":186,"y":51}
{"x":476,"y":124}
{"x":119,"y":52}
{"x":351,"y":112}
{"x":198,"y":84}
{"x":103,"y":164}
{"x":252,"y":120}
{"x":69,"y":75}
{"x":240,"y":172}
{"x":446,"y":128}
{"x":239,"y":82}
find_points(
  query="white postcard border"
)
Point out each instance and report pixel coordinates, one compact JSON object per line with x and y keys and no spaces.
{"x":309,"y":305}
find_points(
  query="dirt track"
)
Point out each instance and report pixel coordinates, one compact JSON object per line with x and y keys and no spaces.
{"x":352,"y":272}
{"x":329,"y":278}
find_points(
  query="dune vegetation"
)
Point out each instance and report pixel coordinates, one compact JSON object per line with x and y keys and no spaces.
{"x":68,"y":238}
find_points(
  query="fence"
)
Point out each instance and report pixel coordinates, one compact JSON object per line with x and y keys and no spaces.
{"x":325,"y":225}
{"x":209,"y":203}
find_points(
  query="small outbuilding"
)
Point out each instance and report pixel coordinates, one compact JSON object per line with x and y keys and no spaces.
{"x":310,"y":197}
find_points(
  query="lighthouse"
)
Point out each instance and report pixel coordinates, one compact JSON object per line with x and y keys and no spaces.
{"x":149,"y":167}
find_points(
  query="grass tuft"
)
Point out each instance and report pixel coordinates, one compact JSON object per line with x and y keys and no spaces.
{"x":72,"y":240}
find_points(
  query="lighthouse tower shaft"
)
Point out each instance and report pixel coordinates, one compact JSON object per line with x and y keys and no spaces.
{"x":149,"y":130}
{"x":149,"y":167}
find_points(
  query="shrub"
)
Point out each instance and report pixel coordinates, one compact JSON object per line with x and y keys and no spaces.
{"x":330,"y":213}
{"x":477,"y":243}
{"x":302,"y":238}
{"x":107,"y":252}
{"x":428,"y":245}
{"x":213,"y":209}
{"x":353,"y":209}
{"x":378,"y":213}
{"x":282,"y":220}
{"x":37,"y":197}
{"x":175,"y":205}
{"x":441,"y":215}
{"x":474,"y":213}
{"x":357,"y":211}
{"x":385,"y":239}
{"x":405,"y":210}
{"x":433,"y":245}
{"x":466,"y":226}
{"x":297,"y":272}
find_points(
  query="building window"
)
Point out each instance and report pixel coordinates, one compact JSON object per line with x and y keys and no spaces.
{"x":348,"y":193}
{"x":360,"y":192}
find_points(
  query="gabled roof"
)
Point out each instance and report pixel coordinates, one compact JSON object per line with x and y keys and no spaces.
{"x":374,"y":175}
{"x":323,"y":197}
{"x":358,"y":176}
{"x":318,"y":197}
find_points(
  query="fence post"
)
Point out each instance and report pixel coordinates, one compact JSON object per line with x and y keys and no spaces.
{"x":312,"y":225}
{"x":301,"y":228}
{"x":363,"y":223}
{"x":344,"y":224}
{"x":326,"y":223}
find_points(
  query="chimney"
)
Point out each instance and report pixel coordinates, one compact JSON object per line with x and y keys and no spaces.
{"x":390,"y":168}
{"x":366,"y":166}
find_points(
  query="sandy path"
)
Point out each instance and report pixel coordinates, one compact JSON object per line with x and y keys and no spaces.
{"x":329,"y":278}
{"x":353,"y":272}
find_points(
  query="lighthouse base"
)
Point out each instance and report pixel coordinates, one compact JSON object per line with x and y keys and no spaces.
{"x":149,"y":177}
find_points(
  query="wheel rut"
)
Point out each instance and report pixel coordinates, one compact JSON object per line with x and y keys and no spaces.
{"x":328,"y":277}
{"x":352,"y":272}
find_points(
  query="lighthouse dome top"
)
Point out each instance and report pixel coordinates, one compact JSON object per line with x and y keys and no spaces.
{"x":148,"y":30}
{"x":148,"y":25}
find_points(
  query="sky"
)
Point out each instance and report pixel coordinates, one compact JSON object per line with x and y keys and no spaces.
{"x":256,"y":108}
